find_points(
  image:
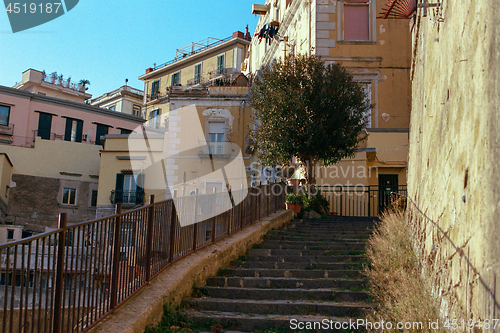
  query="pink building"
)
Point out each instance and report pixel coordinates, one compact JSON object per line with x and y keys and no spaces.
{"x":25,"y":115}
{"x":50,"y":157}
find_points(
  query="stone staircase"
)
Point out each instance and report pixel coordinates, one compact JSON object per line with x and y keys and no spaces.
{"x":308,"y":271}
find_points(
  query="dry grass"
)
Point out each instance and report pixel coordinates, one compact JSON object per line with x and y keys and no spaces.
{"x":395,"y":279}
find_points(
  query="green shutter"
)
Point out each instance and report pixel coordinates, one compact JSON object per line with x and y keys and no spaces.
{"x":67,"y":131}
{"x":44,"y":125}
{"x":139,"y":195}
{"x":119,"y":188}
{"x":79,"y":130}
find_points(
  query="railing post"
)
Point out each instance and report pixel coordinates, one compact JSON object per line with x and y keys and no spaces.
{"x":369,"y":199}
{"x":116,"y":256}
{"x":172,"y":233}
{"x":58,"y":304}
{"x":149,"y":236}
{"x":195,"y":225}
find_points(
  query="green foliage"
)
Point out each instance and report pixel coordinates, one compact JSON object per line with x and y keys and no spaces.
{"x":316,"y":202}
{"x":307,"y":109}
{"x":295,"y":198}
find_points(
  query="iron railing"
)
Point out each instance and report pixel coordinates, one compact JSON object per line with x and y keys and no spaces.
{"x":69,"y":279}
{"x":360,"y":200}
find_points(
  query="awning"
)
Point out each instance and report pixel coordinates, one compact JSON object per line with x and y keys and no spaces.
{"x":398,"y":9}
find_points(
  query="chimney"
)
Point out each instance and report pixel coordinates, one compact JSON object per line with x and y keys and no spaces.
{"x":247,"y":34}
{"x":238,"y":34}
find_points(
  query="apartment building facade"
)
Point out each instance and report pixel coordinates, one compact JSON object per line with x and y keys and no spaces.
{"x":376,"y":52}
{"x":50,"y":157}
{"x":125,"y":99}
{"x":208,"y":62}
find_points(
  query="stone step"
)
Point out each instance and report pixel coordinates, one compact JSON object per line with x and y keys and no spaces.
{"x":318,"y":238}
{"x":341,"y":265}
{"x":290,"y":294}
{"x":249,"y":322}
{"x":289,"y":273}
{"x":294,"y":283}
{"x":331,"y":228}
{"x":279,"y":307}
{"x":348,"y":250}
{"x":336,"y":242}
{"x":333,"y":258}
{"x":310,"y":245}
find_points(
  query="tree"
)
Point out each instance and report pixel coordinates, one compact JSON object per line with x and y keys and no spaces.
{"x":309,"y":110}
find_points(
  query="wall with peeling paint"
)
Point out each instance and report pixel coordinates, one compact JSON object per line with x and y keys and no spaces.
{"x":454,"y":168}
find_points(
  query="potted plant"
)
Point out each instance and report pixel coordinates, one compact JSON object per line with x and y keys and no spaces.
{"x":82,"y":84}
{"x":294,"y":202}
{"x":53,"y":77}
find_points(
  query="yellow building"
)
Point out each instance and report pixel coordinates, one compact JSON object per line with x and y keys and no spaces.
{"x":196,"y":139}
{"x":375,"y":51}
{"x":208,"y":62}
{"x":204,"y":149}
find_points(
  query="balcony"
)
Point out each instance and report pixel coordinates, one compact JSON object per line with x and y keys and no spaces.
{"x":215,"y":149}
{"x":7,"y":130}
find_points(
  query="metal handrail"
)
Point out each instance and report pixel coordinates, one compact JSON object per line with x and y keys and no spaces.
{"x":69,"y":279}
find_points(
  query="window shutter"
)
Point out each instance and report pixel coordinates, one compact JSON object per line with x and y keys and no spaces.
{"x":139,"y":195}
{"x":67,"y":131}
{"x":79,"y":130}
{"x":119,"y":188}
{"x":356,"y":22}
{"x":44,"y":125}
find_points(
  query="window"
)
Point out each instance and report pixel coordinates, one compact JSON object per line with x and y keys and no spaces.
{"x":367,"y":87}
{"x":129,"y":189}
{"x":73,"y":130}
{"x":216,"y":135}
{"x":93,"y":198}
{"x":136,"y":110}
{"x":44,"y":125}
{"x":220,"y":64}
{"x":197,"y":73}
{"x":69,"y":196}
{"x":176,"y":78}
{"x":356,"y":21}
{"x":4,"y":115}
{"x":154,"y":118}
{"x":125,"y":131}
{"x":10,"y":233}
{"x":101,"y":130}
{"x":155,"y":89}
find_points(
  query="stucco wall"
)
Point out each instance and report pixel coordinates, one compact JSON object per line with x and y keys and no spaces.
{"x":454,"y":149}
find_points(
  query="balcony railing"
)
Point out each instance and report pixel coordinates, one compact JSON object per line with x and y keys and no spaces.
{"x":117,"y":91}
{"x":215,"y":149}
{"x":7,"y":130}
{"x":69,"y":279}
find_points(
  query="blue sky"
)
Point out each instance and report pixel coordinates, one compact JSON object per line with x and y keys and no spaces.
{"x":108,"y":41}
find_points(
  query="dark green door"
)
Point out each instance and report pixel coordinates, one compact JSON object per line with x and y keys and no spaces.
{"x":386,"y":185}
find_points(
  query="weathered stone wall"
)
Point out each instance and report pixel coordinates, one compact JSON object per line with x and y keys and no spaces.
{"x":36,"y":202}
{"x":454,"y":168}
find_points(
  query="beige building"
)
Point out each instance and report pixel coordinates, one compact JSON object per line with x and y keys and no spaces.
{"x":124,"y":99}
{"x":52,"y":85}
{"x":197,"y":65}
{"x":203,"y":150}
{"x":375,"y":51}
{"x":453,"y":173}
